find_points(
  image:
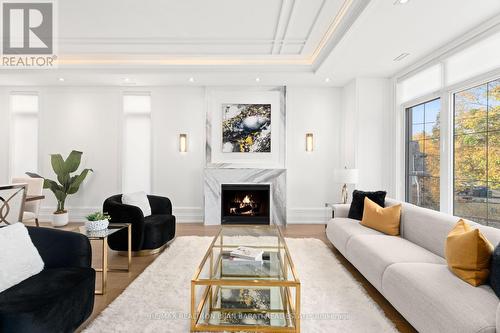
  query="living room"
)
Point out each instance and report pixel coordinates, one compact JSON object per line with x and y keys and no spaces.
{"x":250,"y":166}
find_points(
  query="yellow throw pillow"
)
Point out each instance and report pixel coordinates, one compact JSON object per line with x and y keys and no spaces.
{"x":468,"y":254}
{"x":385,"y":220}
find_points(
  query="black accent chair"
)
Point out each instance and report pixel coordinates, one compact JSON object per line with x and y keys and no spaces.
{"x":149,"y":234}
{"x":59,"y":298}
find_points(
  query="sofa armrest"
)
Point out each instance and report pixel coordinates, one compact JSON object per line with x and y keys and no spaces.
{"x":340,"y":210}
{"x":60,"y":248}
{"x":160,"y":205}
{"x":498,"y":318}
{"x":122,"y":213}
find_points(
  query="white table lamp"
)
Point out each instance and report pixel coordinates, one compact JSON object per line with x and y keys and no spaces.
{"x":345,"y":176}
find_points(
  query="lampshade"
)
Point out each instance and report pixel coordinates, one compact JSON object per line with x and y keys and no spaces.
{"x":346,"y":176}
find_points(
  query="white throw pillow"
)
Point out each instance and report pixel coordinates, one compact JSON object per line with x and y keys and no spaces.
{"x":19,"y":258}
{"x":138,"y":199}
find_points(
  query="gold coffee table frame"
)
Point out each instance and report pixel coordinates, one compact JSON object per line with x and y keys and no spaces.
{"x":286,"y":280}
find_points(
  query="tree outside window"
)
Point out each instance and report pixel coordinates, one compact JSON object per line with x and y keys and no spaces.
{"x":477,"y":153}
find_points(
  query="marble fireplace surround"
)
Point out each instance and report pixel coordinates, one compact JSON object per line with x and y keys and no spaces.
{"x":215,"y":177}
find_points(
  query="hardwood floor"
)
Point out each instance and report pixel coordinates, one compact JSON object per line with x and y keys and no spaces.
{"x":118,"y":281}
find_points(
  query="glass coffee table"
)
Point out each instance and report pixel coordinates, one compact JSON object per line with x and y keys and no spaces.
{"x":234,"y":295}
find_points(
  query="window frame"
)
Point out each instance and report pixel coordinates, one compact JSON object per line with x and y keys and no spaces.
{"x":408,"y":126}
{"x":472,"y":84}
{"x":446,"y":94}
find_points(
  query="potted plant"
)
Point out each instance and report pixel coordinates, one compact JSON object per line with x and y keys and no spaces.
{"x":97,"y":221}
{"x":66,"y":184}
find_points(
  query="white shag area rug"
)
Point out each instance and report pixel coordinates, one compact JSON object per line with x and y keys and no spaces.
{"x":159,"y":299}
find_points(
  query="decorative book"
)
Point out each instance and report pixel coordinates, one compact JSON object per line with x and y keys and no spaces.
{"x":247,"y":253}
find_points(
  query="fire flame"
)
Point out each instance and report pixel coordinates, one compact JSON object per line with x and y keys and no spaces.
{"x":246,"y":200}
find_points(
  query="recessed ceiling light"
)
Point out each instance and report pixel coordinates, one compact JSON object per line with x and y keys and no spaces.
{"x":126,"y":79}
{"x":401,"y":56}
{"x":61,"y":79}
{"x":401,"y":2}
{"x":327,"y":80}
{"x":191,"y":79}
{"x":257,"y":79}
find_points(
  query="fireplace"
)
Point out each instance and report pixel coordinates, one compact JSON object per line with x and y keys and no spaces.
{"x":245,"y":204}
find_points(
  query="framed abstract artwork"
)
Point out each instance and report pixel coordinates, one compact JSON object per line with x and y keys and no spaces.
{"x":246,"y":128}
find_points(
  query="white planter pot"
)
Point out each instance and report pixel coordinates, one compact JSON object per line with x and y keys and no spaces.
{"x":96,"y":225}
{"x":59,"y":220}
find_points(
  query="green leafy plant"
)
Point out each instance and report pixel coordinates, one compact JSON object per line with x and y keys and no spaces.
{"x":98,"y":216}
{"x":67,"y":183}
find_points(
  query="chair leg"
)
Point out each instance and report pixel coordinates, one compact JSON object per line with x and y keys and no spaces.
{"x":36,"y":222}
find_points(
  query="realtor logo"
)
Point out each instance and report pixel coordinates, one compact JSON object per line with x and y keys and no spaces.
{"x":28,"y":34}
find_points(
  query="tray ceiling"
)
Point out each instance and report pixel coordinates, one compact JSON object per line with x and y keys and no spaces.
{"x":195,"y":32}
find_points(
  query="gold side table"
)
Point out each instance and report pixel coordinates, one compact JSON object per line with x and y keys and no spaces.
{"x":102,"y":235}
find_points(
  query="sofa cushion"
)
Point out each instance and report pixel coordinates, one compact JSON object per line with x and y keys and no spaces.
{"x":429,"y":228}
{"x":433,"y":299}
{"x":19,"y":258}
{"x":55,"y":300}
{"x":340,"y":230}
{"x":138,"y":199}
{"x":385,"y":220}
{"x":372,"y":254}
{"x":358,"y":202}
{"x":495,"y":270}
{"x":468,"y":254}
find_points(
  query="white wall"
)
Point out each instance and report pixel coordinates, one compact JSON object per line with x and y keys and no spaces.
{"x":310,"y":175}
{"x":367,"y":132}
{"x":349,"y":119}
{"x":90,"y":119}
{"x":179,"y":176}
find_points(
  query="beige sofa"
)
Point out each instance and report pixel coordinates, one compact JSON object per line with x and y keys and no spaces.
{"x":411,"y":272}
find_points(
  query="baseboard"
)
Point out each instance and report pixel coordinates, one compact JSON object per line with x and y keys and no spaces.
{"x":78,"y":214}
{"x":195,"y":214}
{"x":308,"y":215}
{"x":188,"y":214}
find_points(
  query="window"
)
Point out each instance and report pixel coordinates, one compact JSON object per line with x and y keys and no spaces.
{"x":136,"y":171}
{"x":24,"y":134}
{"x":423,"y":154}
{"x":477,"y":153}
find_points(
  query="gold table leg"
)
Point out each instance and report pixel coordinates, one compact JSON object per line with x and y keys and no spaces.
{"x":104,"y":270}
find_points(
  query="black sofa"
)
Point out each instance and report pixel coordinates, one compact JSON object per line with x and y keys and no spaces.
{"x":149,"y":234}
{"x":61,"y":297}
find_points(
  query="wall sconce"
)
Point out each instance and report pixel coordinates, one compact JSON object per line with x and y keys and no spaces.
{"x":183,"y":143}
{"x":309,"y":142}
